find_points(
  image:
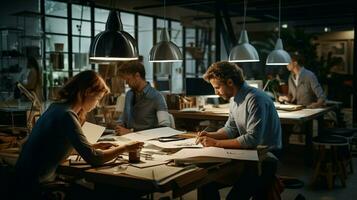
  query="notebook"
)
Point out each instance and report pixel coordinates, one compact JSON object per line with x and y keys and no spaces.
{"x":288,"y":107}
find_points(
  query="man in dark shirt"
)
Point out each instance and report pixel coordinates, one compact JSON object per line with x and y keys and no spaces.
{"x":145,"y":107}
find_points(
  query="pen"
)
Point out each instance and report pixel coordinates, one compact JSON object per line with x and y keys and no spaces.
{"x":200,"y":132}
{"x":117,"y":158}
{"x":78,"y":158}
{"x":153,"y":175}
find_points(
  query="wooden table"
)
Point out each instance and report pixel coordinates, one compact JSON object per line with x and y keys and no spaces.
{"x":286,"y":117}
{"x":291,"y":117}
{"x":304,"y":117}
{"x":180,"y":185}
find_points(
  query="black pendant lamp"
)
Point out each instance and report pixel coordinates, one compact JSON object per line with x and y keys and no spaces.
{"x":113,"y":44}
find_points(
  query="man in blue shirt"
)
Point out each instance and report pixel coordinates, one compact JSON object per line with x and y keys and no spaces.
{"x":252,"y":121}
{"x":145,"y":107}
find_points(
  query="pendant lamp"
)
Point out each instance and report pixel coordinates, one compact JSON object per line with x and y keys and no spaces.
{"x":165,"y":50}
{"x":278,"y":56}
{"x":113,"y":44}
{"x":243,"y":52}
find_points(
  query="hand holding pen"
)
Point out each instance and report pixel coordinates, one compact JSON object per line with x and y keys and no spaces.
{"x":201,"y":134}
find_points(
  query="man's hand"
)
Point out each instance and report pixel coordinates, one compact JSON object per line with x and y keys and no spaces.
{"x":121,"y":130}
{"x":200,"y":134}
{"x":103,"y":145}
{"x":283,"y":98}
{"x":133,"y":146}
{"x":207,"y":141}
{"x":313,"y":105}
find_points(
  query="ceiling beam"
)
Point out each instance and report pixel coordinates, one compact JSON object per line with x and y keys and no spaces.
{"x":186,"y":3}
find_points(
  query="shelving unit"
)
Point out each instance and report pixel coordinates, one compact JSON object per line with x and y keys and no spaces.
{"x":31,"y":37}
{"x":10,"y":59}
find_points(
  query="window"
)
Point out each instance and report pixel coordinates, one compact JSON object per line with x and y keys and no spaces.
{"x":177,"y":76}
{"x":68,"y":37}
{"x":145,"y":41}
{"x":190,"y":45}
{"x":81,"y":37}
{"x":128,"y":21}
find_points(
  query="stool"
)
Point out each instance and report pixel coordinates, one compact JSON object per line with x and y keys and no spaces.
{"x":347,"y":133}
{"x":354,"y":146}
{"x":291,"y":182}
{"x":328,"y":163}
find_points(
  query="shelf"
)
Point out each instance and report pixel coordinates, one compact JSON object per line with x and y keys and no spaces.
{"x":9,"y":73}
{"x":32,"y":37}
{"x":65,"y":52}
{"x":18,"y":57}
{"x":17,"y":29}
{"x":64,"y":71}
{"x":26,"y":13}
{"x":12,"y":57}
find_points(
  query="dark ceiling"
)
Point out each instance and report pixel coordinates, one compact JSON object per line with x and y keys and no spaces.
{"x":312,"y":13}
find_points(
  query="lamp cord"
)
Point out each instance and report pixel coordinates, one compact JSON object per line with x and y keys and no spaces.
{"x":165,"y":13}
{"x":245,"y":12}
{"x":80,"y":32}
{"x":279,"y":17}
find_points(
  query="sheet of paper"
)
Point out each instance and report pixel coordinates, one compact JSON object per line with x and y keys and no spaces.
{"x":152,"y":134}
{"x":224,"y":110}
{"x":92,"y":131}
{"x":157,"y":173}
{"x":187,"y":143}
{"x":242,"y":154}
{"x":195,"y":109}
{"x":237,"y":154}
{"x":299,"y":113}
{"x":148,"y":163}
{"x":207,"y":152}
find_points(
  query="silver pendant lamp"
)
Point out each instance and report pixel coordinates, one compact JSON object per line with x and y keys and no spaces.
{"x":278,"y":56}
{"x":113,"y":44}
{"x":165,"y":50}
{"x":243,"y":52}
